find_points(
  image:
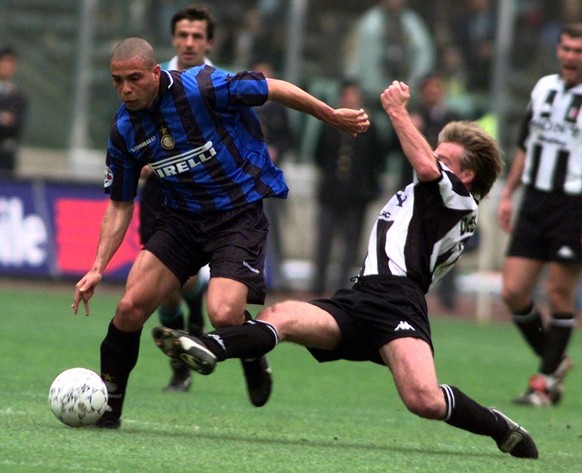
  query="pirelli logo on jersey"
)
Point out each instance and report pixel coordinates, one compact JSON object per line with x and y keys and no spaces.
{"x":185,"y":161}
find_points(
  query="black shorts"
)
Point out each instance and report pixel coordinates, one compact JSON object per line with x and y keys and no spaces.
{"x":151,"y":201}
{"x":233,"y":243}
{"x":375,"y":311}
{"x":548,"y":228}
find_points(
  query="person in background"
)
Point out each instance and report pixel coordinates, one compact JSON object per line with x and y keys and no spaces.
{"x":418,"y":235}
{"x":206,"y":145}
{"x":13,"y":109}
{"x":192,"y":37}
{"x":554,"y":19}
{"x":547,"y":229}
{"x":193,"y":32}
{"x":391,"y":42}
{"x":348,"y":181}
{"x":474,"y":28}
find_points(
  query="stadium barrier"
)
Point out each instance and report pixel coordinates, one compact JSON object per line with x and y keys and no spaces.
{"x":51,"y":229}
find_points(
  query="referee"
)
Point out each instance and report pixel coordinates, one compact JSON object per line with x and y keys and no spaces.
{"x":548,"y":227}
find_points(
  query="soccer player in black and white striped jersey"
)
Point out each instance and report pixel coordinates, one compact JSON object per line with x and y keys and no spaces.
{"x":548,"y":227}
{"x":419,"y":234}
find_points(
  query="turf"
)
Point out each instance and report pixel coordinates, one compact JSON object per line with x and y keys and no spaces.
{"x":340,"y":417}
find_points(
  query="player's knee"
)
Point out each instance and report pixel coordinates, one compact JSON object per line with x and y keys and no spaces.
{"x":129,"y":316}
{"x":224,"y":315}
{"x":513,"y":297}
{"x":272,"y":313}
{"x":561,"y":298}
{"x":425,"y":405}
{"x":279,"y":316}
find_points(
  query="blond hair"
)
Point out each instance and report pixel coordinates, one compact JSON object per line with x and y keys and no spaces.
{"x":481,"y":155}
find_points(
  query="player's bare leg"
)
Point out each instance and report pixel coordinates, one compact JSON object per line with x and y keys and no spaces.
{"x":226,"y":302}
{"x":412,"y":366}
{"x":148,"y":283}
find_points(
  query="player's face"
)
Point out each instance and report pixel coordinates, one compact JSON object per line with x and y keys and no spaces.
{"x":8,"y":66}
{"x":191,"y":42}
{"x":450,"y":154}
{"x":351,"y":97}
{"x":136,"y":83}
{"x":570,"y":57}
{"x":432,"y":92}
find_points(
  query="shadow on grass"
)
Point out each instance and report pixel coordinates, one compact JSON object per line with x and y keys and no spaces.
{"x":306,"y":442}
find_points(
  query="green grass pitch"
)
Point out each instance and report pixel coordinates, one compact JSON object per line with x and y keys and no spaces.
{"x":339,"y":417}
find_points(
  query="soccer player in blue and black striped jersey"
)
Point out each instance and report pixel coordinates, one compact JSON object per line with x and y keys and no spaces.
{"x":193,"y":29}
{"x":198,"y":133}
{"x":419,"y":234}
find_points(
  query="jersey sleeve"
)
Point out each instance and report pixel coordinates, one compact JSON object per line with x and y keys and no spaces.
{"x":243,"y":89}
{"x":122,"y":169}
{"x":524,"y":127}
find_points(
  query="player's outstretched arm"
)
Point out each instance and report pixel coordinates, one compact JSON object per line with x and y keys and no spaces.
{"x":417,"y":150}
{"x":114,"y":225}
{"x":344,"y":119}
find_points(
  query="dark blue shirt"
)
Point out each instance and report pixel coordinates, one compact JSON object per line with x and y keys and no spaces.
{"x":201,"y":138}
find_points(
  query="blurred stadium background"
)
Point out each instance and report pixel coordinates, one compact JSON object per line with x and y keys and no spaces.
{"x":64,"y":48}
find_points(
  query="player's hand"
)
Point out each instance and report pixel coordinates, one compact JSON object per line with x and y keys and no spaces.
{"x":504,"y":212}
{"x":84,"y":290}
{"x":351,"y":121}
{"x":396,"y":95}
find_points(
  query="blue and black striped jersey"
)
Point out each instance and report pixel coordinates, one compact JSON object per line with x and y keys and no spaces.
{"x":201,"y":138}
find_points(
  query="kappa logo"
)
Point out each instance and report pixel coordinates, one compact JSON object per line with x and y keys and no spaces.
{"x":565,"y":252}
{"x":217,"y":339}
{"x":403,"y":325}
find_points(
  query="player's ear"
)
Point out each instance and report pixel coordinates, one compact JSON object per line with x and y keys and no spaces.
{"x":467,"y":175}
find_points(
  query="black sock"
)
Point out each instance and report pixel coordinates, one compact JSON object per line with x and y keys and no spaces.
{"x":119,"y":352}
{"x":557,"y":337}
{"x":249,"y":340}
{"x":466,"y":414}
{"x":530,"y":324}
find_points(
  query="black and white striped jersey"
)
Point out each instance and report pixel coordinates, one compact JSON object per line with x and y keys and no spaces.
{"x":552,"y":139}
{"x":421,"y":231}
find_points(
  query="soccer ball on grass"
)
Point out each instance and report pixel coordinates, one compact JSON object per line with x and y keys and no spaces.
{"x":78,"y":397}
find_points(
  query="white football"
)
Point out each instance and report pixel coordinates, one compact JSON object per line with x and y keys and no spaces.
{"x":78,"y":397}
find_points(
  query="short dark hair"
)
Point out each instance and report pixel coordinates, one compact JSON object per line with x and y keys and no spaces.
{"x":195,"y":12}
{"x":130,"y":48}
{"x":348,"y":82}
{"x":7,"y":51}
{"x":434,"y":75}
{"x":573,"y":30}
